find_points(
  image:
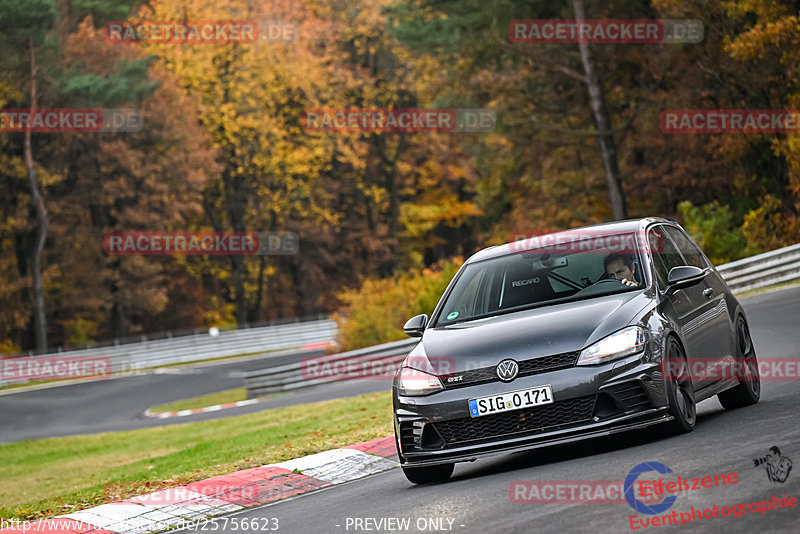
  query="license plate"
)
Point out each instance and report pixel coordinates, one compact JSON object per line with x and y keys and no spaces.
{"x":514,"y":400}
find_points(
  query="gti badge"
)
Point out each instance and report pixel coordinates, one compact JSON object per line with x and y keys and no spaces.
{"x":507,"y":370}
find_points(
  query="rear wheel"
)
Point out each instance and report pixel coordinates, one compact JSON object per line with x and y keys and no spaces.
{"x":680,"y":391}
{"x":748,"y":391}
{"x":428,"y":474}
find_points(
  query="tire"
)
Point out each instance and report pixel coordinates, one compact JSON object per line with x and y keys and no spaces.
{"x":748,"y":391}
{"x":680,"y":391}
{"x":427,"y":475}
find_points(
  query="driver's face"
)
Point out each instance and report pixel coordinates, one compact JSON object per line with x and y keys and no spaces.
{"x":618,"y":270}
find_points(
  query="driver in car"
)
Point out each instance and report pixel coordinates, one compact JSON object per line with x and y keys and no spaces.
{"x":621,"y":267}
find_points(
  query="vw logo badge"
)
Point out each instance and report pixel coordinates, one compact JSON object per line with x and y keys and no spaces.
{"x":507,"y":370}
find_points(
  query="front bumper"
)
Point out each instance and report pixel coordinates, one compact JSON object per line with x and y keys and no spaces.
{"x":590,"y":401}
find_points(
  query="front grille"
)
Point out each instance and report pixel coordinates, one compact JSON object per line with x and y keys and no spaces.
{"x":533,"y":366}
{"x":548,"y":363}
{"x":527,"y":420}
{"x":470,"y":378}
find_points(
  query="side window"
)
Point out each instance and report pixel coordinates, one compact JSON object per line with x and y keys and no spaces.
{"x":687,"y":247}
{"x":665,"y":254}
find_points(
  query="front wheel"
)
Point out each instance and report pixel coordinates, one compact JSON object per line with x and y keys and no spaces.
{"x":748,"y":391}
{"x":680,"y":391}
{"x":428,"y":474}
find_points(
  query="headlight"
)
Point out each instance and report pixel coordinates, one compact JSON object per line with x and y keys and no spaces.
{"x":413,"y":381}
{"x":627,"y":341}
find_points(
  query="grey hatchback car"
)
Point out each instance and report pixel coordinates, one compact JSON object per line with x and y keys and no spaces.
{"x":570,"y":336}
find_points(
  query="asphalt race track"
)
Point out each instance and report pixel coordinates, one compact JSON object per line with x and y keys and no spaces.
{"x":117,"y":404}
{"x":476,"y":499}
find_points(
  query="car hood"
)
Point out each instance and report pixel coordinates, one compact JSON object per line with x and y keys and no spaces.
{"x":532,"y":333}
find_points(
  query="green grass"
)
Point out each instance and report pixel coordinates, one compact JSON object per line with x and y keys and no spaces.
{"x":203,"y":401}
{"x":53,"y":476}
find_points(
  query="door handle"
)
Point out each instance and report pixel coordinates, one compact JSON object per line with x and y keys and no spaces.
{"x":708,"y":292}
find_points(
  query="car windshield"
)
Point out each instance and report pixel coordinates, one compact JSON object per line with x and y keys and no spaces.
{"x":541,"y":277}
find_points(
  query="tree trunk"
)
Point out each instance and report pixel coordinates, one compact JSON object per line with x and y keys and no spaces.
{"x":39,"y":317}
{"x":387,"y":167}
{"x":63,"y":20}
{"x":236,"y":199}
{"x":255,"y":312}
{"x":608,"y":148}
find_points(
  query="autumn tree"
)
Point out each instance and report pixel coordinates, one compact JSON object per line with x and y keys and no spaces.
{"x":149,"y":179}
{"x":25,"y":24}
{"x":96,"y":182}
{"x":559,"y":86}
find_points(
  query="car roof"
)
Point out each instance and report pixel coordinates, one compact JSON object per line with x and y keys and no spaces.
{"x":622,"y":227}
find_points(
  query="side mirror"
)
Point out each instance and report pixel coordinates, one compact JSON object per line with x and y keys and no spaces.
{"x":685,"y":275}
{"x":415,"y":326}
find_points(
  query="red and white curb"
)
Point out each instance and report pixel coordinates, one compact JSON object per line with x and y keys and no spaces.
{"x":184,"y":413}
{"x":178,"y":507}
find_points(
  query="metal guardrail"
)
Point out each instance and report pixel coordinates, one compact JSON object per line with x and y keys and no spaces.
{"x":774,"y":267}
{"x":193,"y":348}
{"x":349,"y":365}
{"x":163,"y":335}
